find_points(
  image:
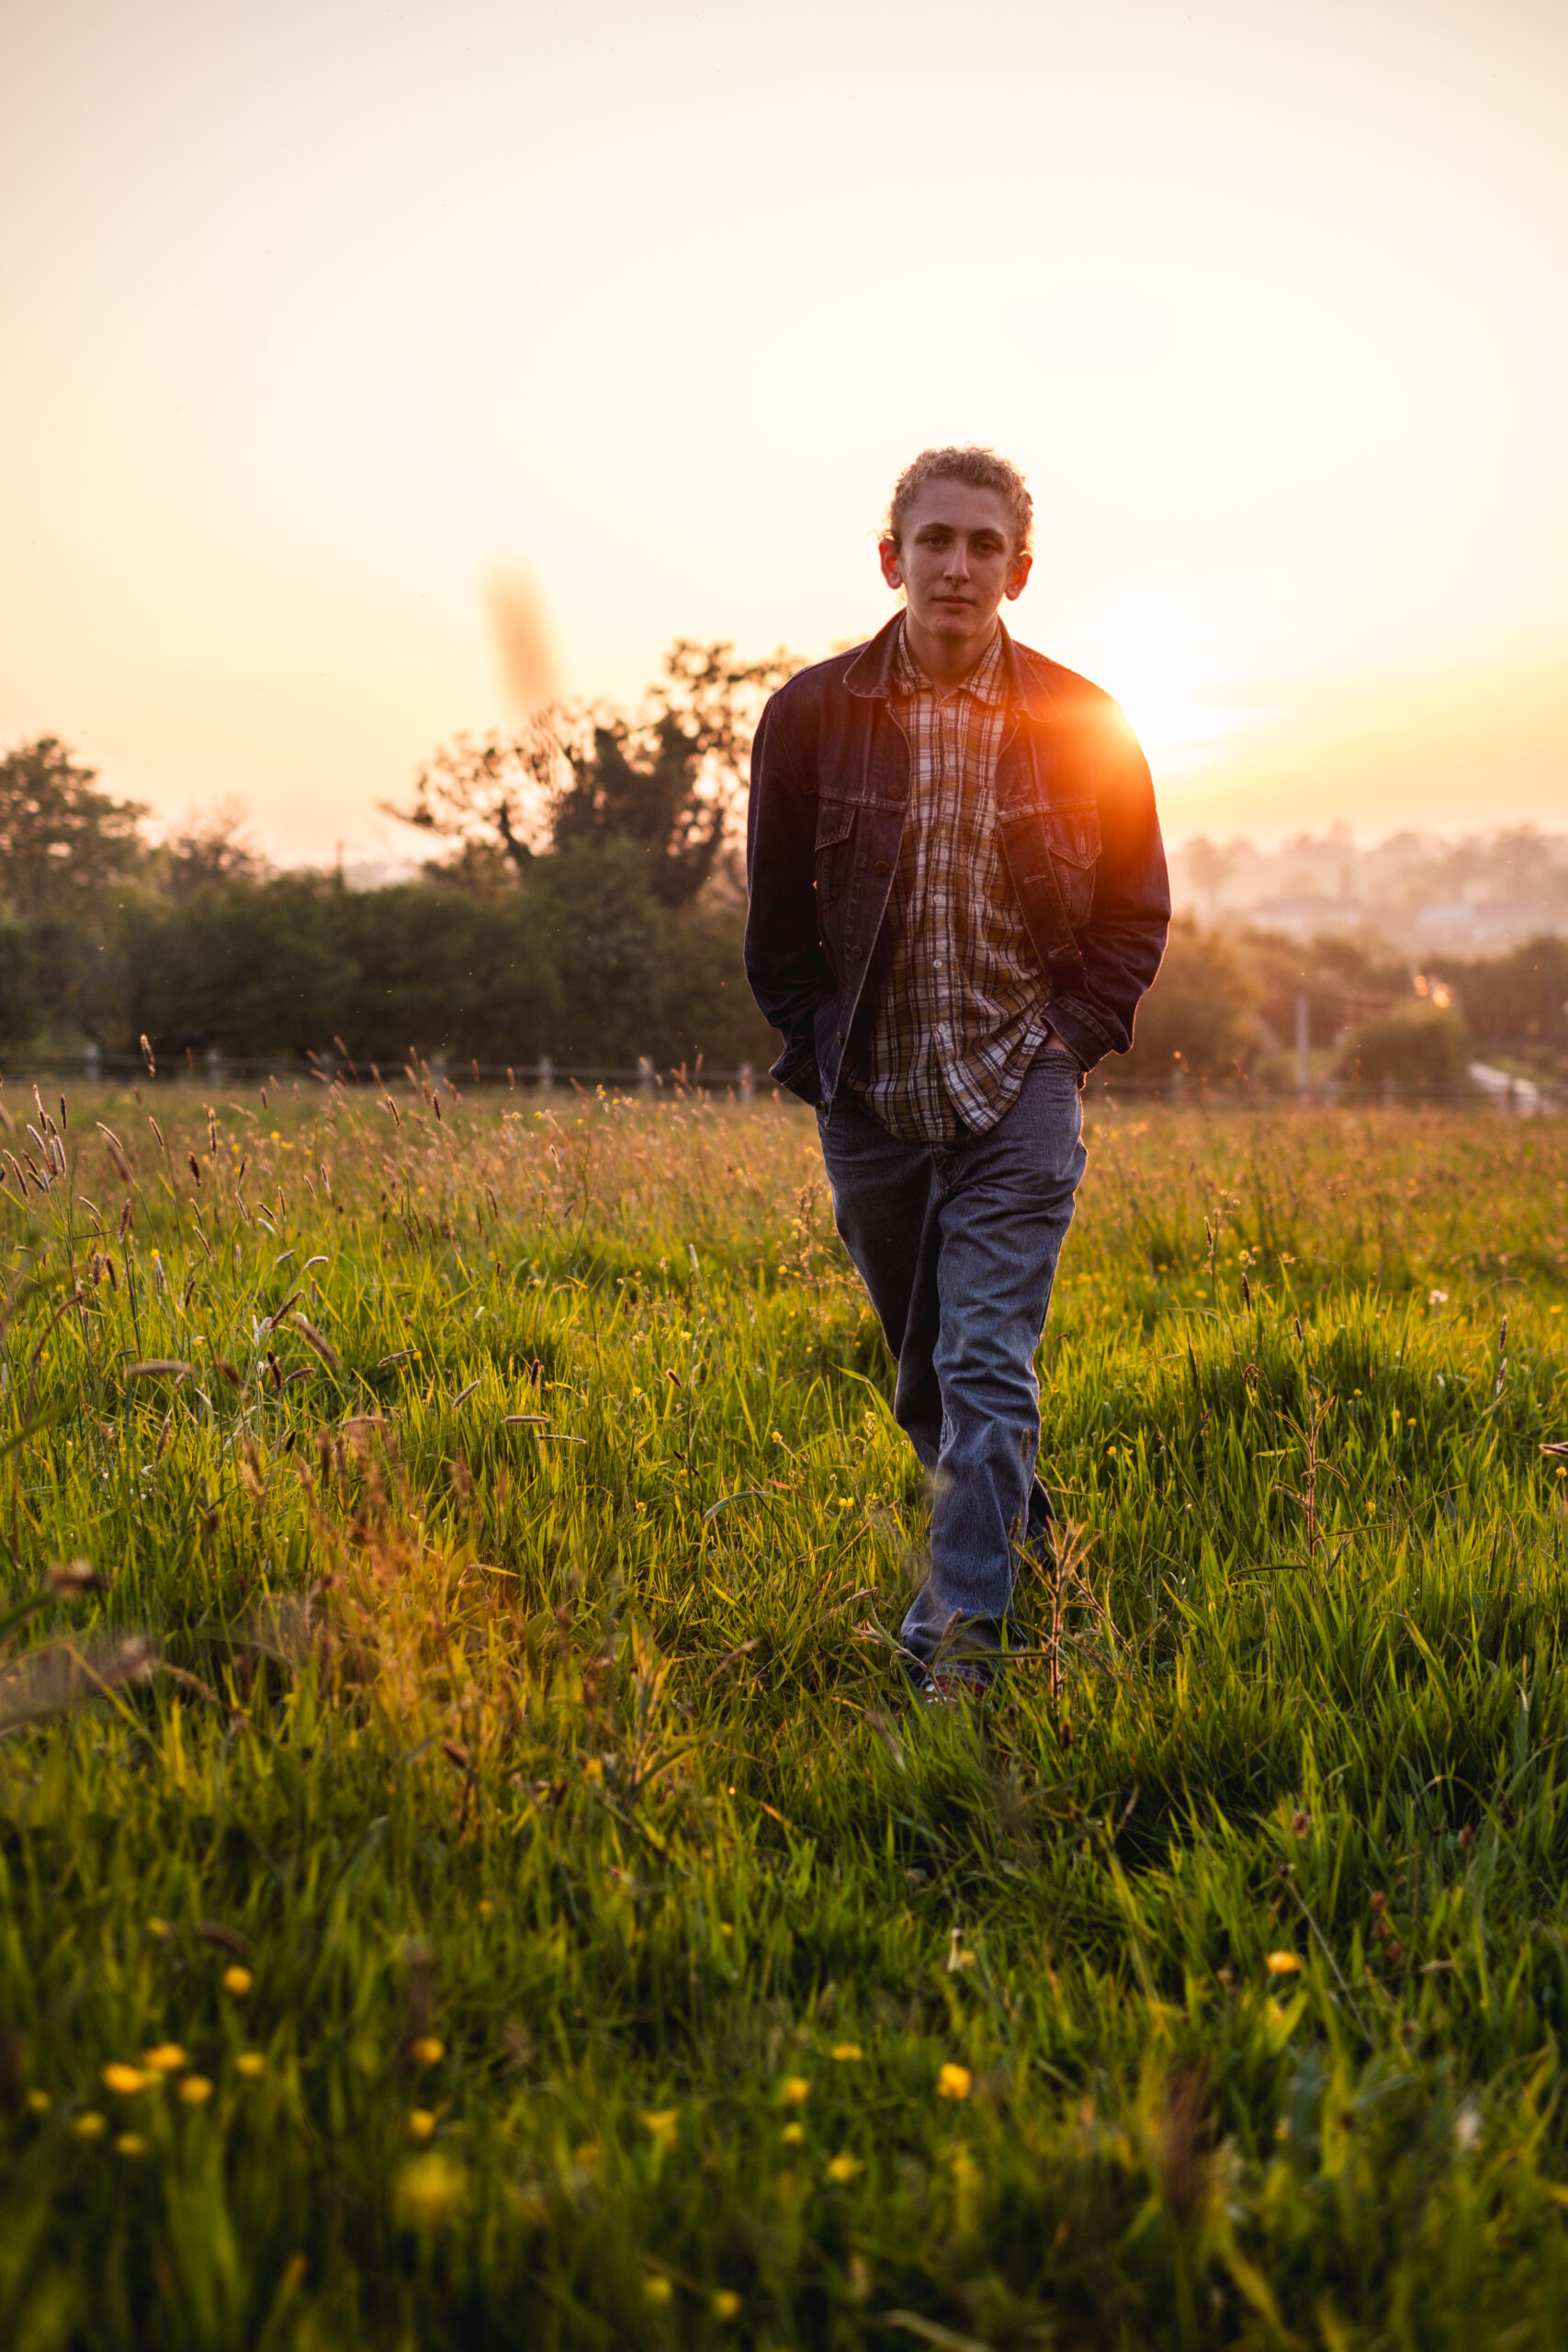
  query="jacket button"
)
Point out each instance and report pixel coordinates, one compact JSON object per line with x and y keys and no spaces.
{"x":857,"y":953}
{"x":881,"y":866}
{"x":839,"y":1037}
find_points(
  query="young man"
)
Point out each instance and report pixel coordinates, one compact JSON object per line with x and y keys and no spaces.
{"x":957,"y":896}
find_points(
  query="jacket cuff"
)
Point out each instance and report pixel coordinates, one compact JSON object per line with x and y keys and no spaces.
{"x":1082,"y":1035}
{"x":796,"y":1069}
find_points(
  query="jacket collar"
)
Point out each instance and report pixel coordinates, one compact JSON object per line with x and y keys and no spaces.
{"x":871,"y":673}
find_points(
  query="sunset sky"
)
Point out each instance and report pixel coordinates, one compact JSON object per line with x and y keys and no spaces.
{"x":317,"y":315}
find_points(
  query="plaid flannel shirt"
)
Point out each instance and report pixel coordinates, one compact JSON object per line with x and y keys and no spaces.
{"x":961,"y":1012}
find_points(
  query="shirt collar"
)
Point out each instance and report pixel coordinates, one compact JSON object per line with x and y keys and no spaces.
{"x":984,"y":681}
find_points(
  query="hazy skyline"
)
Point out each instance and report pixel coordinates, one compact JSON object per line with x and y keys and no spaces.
{"x":318,"y":316}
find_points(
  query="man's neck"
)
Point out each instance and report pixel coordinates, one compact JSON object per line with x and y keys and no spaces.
{"x":948,"y":662}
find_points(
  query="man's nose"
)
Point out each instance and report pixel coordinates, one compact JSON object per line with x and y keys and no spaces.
{"x":957,"y":566}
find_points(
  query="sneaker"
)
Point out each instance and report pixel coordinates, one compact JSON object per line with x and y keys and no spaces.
{"x":948,"y":1689}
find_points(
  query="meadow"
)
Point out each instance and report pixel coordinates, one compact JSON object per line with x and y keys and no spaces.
{"x":471,"y":1870}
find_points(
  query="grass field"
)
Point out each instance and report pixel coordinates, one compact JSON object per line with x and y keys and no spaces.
{"x":471,"y":1872}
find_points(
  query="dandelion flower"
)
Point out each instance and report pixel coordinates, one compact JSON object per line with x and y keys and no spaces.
{"x":237,"y":1981}
{"x":797,"y":2090}
{"x":39,"y":2102}
{"x":954,"y":2082}
{"x":422,"y":2123}
{"x":724,"y":2303}
{"x":251,"y":2064}
{"x":90,"y":2126}
{"x":656,"y":2288}
{"x":124,"y":2080}
{"x":196,"y":2090}
{"x":130,"y":2143}
{"x":167,"y":2059}
{"x":848,"y":2053}
{"x":843,"y":2167}
{"x":793,"y":2135}
{"x":428,"y":2051}
{"x":1282,"y":1963}
{"x":486,"y":1907}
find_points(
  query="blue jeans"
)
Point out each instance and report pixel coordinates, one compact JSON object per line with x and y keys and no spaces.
{"x":957,"y":1246}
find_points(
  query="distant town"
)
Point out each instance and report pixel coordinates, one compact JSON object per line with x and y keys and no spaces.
{"x":1477,"y":895}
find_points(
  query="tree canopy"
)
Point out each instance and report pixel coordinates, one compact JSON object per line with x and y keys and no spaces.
{"x":665,"y":779}
{"x":61,"y":840}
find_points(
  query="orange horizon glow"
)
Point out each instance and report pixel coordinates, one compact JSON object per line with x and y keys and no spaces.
{"x":327,"y":324}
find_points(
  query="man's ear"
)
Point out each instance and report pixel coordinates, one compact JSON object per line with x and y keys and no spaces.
{"x":1020,"y":580}
{"x":891,"y":570}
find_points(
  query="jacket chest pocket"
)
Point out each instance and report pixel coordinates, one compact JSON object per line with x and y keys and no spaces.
{"x":1073,"y":837}
{"x":835,"y":829}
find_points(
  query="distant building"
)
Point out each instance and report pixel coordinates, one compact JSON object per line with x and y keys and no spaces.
{"x":1417,"y":892}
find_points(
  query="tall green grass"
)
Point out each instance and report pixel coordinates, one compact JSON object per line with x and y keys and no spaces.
{"x":482,"y":1775}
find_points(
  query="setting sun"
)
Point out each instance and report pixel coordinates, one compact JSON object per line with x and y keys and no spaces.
{"x":331,"y":319}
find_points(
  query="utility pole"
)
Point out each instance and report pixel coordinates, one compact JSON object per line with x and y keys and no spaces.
{"x":1304,"y":1045}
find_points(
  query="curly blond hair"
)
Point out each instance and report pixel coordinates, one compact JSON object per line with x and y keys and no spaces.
{"x":981,"y":467}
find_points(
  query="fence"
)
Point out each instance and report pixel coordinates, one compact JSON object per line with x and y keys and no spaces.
{"x":1488,"y":1088}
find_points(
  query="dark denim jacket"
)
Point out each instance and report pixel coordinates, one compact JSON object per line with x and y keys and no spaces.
{"x":829,"y":785}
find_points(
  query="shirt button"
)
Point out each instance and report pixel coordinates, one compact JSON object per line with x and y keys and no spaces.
{"x":881,"y":866}
{"x":857,"y":953}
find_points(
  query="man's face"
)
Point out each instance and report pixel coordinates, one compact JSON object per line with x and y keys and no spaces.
{"x":955,"y":562}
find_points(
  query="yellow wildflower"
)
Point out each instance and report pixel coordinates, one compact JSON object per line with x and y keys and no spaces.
{"x":167,"y":2059}
{"x":237,"y":1981}
{"x":724,"y":2303}
{"x":124,"y":2079}
{"x":954,"y":2082}
{"x":793,"y":2135}
{"x":130,"y":2143}
{"x":39,"y":2102}
{"x":656,"y":2288}
{"x":797,"y":2090}
{"x":843,"y":2167}
{"x":428,"y":2192}
{"x":1282,"y":1963}
{"x":848,"y":2053}
{"x":251,"y":2064}
{"x":196,"y":2090}
{"x":422,"y":2123}
{"x":428,"y":2051}
{"x":663,"y":2126}
{"x":90,"y":2126}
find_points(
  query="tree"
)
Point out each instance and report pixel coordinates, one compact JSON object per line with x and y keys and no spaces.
{"x":1424,"y":1049}
{"x":61,"y":842}
{"x":1518,"y":1003}
{"x":492,"y":797}
{"x":1199,"y":1014}
{"x":440,"y":971}
{"x":213,"y":849}
{"x":665,"y":779}
{"x":668,"y":779}
{"x":254,"y":968}
{"x":18,"y":1005}
{"x":1211,"y":869}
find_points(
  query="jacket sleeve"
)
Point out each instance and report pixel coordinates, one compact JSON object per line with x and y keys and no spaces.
{"x":1123,"y":941}
{"x":788,"y":970}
